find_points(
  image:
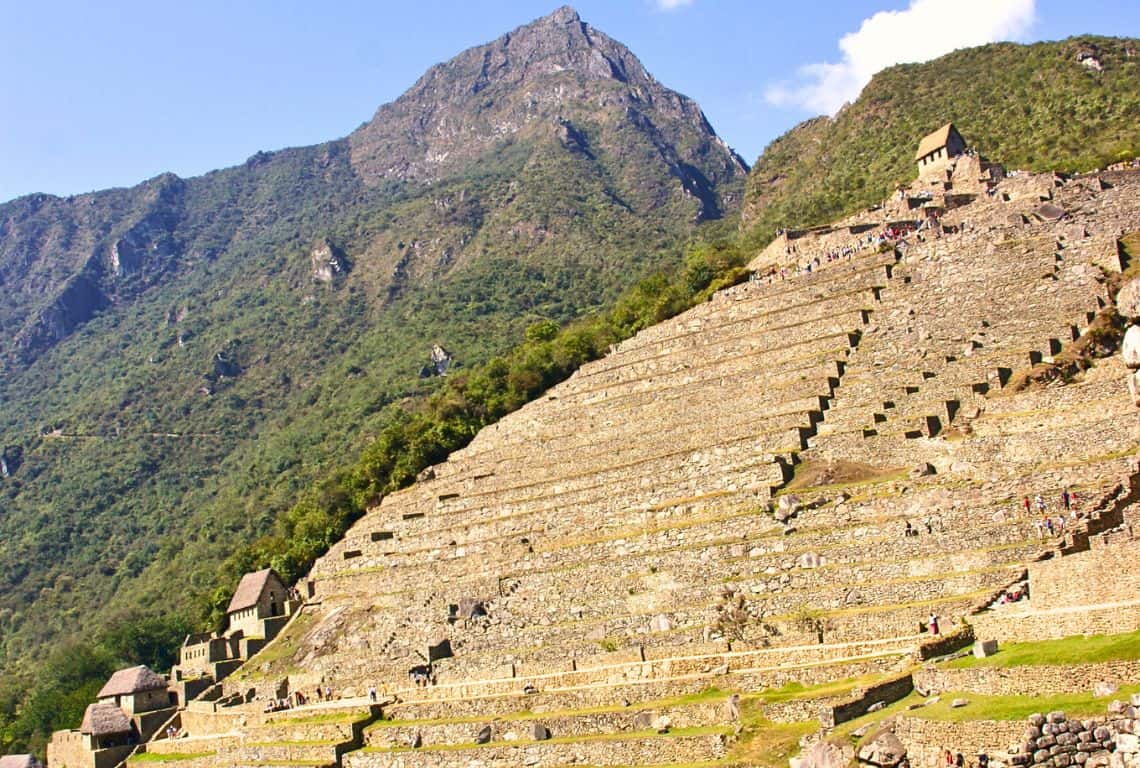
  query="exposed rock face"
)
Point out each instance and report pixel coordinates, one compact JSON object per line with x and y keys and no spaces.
{"x":1128,"y":305}
{"x":329,"y":264}
{"x":556,"y":76}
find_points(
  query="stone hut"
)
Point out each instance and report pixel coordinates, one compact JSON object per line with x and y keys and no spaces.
{"x":106,"y":725}
{"x":937,"y":149}
{"x":19,"y":761}
{"x":135,"y":690}
{"x":260,"y":595}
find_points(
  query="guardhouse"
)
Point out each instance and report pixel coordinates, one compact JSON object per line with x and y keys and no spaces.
{"x":937,"y":149}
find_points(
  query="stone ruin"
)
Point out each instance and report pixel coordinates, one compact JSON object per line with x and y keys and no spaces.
{"x":631,"y":537}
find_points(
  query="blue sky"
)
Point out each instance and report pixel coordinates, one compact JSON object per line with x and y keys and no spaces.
{"x":108,"y":94}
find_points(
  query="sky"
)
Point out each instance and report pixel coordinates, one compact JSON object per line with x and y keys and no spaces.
{"x":95,"y":95}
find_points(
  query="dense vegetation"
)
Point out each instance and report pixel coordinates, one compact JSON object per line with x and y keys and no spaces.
{"x":1026,"y":106}
{"x":416,"y":433}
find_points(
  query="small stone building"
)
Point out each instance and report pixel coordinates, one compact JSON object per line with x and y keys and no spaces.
{"x":260,"y":595}
{"x":135,"y":690}
{"x":937,"y":149}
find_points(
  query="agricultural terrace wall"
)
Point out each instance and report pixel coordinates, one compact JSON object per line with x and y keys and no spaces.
{"x":1030,"y":680}
{"x":1109,"y":574}
{"x":925,"y":739}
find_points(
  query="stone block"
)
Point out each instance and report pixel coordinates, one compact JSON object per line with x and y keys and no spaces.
{"x":1104,"y":688}
{"x":984,"y":648}
{"x":1056,"y":717}
{"x":1127,"y":742}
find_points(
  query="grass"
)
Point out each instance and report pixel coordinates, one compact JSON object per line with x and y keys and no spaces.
{"x":281,"y":647}
{"x":332,"y":717}
{"x":1069,"y":650}
{"x":171,"y":757}
{"x":1016,"y":707}
{"x":812,"y":476}
{"x":768,"y":744}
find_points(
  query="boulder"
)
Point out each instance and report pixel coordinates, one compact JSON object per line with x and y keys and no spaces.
{"x":824,"y":754}
{"x":787,"y":507}
{"x":885,"y":750}
{"x":662,"y":723}
{"x":1130,"y":347}
{"x":539,"y":732}
{"x":660,"y":623}
{"x":921,"y":470}
{"x":959,"y":703}
{"x":1134,"y":387}
{"x":1128,"y":299}
{"x":484,"y":735}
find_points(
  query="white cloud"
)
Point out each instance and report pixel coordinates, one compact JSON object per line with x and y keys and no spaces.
{"x":926,"y":30}
{"x":671,"y":5}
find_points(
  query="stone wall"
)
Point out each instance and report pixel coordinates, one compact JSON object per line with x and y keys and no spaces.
{"x":1035,"y":680}
{"x":926,"y":739}
{"x":1014,"y":624}
{"x":1108,"y":575}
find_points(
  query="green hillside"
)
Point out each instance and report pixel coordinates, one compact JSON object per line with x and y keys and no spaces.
{"x":1034,"y":107}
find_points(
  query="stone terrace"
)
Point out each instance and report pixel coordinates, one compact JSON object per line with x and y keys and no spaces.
{"x":619,"y":533}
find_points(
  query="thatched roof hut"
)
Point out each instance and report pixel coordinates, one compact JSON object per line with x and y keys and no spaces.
{"x":132,"y":680}
{"x":105,"y":719}
{"x":252,"y":586}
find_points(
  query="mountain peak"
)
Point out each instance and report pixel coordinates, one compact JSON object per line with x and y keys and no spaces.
{"x":564,"y":15}
{"x":539,"y":76}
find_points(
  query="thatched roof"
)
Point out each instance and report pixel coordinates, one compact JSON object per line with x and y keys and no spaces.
{"x":932,"y":142}
{"x":250,"y":587}
{"x":132,"y":680}
{"x":105,"y":719}
{"x":18,"y":761}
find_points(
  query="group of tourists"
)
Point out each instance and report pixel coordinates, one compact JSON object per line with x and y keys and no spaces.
{"x":929,"y":523}
{"x":958,"y":760}
{"x":1046,"y":524}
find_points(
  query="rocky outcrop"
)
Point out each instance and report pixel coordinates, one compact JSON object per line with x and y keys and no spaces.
{"x":1128,"y":305}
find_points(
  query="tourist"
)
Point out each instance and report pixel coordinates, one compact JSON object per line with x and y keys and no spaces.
{"x":1027,"y":505}
{"x":983,"y":760}
{"x":1039,"y":500}
{"x":372,"y":693}
{"x":932,"y":623}
{"x":1066,"y":499}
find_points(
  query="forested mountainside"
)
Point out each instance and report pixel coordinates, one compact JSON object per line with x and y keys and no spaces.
{"x":181,"y":359}
{"x":1069,"y":106}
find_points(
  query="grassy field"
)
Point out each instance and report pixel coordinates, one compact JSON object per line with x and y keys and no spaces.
{"x":1068,"y":650}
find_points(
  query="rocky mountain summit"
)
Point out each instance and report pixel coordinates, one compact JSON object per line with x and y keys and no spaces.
{"x":555,"y":76}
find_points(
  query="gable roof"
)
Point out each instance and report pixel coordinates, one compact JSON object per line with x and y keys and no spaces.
{"x":104,"y":719}
{"x":249,"y":589}
{"x":131,"y":680}
{"x":18,"y":761}
{"x":934,"y":141}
